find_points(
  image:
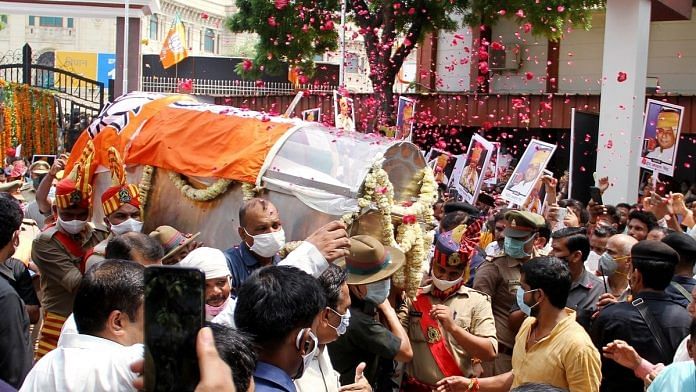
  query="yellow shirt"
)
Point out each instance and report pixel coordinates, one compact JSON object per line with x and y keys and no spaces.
{"x":566,"y":358}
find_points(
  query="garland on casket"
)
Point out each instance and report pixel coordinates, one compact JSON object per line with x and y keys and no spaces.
{"x":249,"y":191}
{"x":378,"y":192}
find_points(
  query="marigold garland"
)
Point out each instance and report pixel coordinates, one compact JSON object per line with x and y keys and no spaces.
{"x":29,"y":119}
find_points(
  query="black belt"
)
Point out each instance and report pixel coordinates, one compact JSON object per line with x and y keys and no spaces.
{"x":503,"y":349}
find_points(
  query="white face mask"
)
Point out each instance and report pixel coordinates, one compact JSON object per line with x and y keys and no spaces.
{"x":307,"y":358}
{"x":267,"y":244}
{"x":345,"y":321}
{"x":73,"y":226}
{"x":127,"y":226}
{"x":443,"y":285}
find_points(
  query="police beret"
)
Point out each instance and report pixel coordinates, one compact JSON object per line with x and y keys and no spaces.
{"x":521,"y":223}
{"x":461,"y":206}
{"x":684,"y":244}
{"x":654,"y":251}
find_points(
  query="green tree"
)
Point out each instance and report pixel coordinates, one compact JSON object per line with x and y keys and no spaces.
{"x":294,"y":31}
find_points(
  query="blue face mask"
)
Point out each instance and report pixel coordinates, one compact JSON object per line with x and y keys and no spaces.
{"x":526,"y":309}
{"x":515,"y":248}
{"x":377,"y":292}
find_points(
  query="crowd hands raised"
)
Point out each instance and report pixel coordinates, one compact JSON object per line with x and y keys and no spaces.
{"x":577,"y":298}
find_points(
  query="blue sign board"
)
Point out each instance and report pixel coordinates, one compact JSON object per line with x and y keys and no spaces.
{"x":106,"y":67}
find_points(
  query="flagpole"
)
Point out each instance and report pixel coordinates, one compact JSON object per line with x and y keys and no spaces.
{"x":342,"y":65}
{"x":126,"y":33}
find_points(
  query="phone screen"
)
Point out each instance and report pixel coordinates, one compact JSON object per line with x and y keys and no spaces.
{"x":174,"y":312}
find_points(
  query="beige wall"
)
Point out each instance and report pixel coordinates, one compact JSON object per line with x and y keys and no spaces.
{"x":672,"y":57}
{"x":87,"y":35}
{"x":532,"y":50}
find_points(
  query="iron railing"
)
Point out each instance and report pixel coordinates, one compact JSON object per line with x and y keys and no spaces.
{"x":226,"y":88}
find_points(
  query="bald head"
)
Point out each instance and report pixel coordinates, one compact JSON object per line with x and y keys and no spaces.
{"x":620,"y":245}
{"x":257,"y":216}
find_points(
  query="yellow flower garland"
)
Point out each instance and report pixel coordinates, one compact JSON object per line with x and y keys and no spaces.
{"x":207,"y":194}
{"x":249,"y":191}
{"x":145,"y":186}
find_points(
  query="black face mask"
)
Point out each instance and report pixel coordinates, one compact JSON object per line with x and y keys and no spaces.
{"x":37,"y":181}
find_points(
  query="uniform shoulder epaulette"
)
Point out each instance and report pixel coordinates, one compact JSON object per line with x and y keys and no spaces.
{"x":496,"y":257}
{"x":481,"y":293}
{"x":30,"y":222}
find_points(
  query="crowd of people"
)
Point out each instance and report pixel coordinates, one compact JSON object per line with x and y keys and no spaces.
{"x":574,"y":298}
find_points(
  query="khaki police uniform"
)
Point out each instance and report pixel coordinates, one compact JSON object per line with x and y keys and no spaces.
{"x":499,"y":277}
{"x":60,"y":274}
{"x":472,"y":312}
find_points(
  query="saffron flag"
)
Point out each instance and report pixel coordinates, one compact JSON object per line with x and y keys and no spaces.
{"x":174,"y":46}
{"x":293,"y":75}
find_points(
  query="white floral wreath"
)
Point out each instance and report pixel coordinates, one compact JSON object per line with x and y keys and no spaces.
{"x":378,"y":192}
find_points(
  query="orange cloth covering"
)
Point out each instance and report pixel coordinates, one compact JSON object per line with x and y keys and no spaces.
{"x":205,"y":144}
{"x":190,"y":138}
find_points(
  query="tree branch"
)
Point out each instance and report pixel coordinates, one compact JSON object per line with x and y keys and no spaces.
{"x":364,"y":19}
{"x":412,"y":36}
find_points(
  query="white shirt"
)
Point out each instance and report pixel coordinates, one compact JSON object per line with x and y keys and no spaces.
{"x":69,"y":328}
{"x":664,"y":156}
{"x":682,"y":354}
{"x":320,"y":376}
{"x":85,"y":363}
{"x":307,"y":258}
{"x":226,"y":317}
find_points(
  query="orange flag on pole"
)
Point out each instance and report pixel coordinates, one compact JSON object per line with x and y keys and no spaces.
{"x":174,"y":46}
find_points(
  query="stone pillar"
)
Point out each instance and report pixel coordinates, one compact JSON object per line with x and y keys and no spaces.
{"x":134,"y":56}
{"x":626,"y":37}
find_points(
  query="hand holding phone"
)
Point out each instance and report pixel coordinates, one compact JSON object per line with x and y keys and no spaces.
{"x":174,"y":313}
{"x":596,"y":195}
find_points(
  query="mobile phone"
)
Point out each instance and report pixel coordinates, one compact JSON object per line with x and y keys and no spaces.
{"x":174,"y":313}
{"x":596,"y":195}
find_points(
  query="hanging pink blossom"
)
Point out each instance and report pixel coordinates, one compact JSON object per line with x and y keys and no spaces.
{"x":186,"y":86}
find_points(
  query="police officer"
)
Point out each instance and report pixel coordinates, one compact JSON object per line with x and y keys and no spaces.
{"x":499,"y":277}
{"x":450,"y":326}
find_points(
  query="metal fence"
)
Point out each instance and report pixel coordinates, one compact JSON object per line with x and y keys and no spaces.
{"x":227,"y":88}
